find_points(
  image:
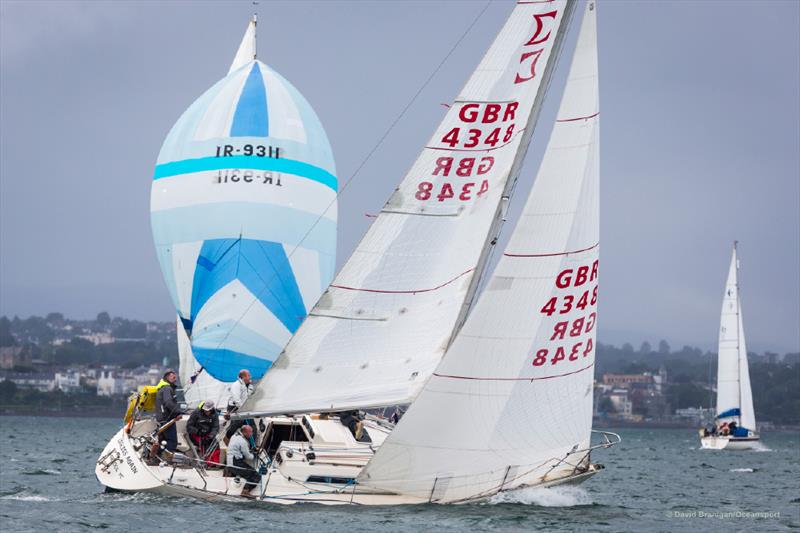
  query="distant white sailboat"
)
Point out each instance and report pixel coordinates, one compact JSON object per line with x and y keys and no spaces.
{"x":500,"y":384}
{"x":735,"y":427}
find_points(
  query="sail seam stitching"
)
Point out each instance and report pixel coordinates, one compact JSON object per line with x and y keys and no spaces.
{"x":553,"y":254}
{"x":413,"y":291}
{"x":473,"y":378}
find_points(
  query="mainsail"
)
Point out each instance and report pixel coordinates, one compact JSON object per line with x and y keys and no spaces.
{"x":383,"y":325}
{"x":243,"y":212}
{"x":734,"y":396}
{"x":511,"y":402}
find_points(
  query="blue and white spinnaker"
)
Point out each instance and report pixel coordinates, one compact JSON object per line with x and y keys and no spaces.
{"x":243,"y":212}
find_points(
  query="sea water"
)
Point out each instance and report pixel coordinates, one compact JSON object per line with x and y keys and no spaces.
{"x":655,"y":480}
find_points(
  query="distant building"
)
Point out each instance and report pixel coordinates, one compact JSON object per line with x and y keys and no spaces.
{"x":68,"y":381}
{"x":625,"y":380}
{"x":636,"y":396}
{"x":110,"y":384}
{"x":11,"y":356}
{"x":622,"y":404}
{"x":43,"y":382}
{"x":98,"y":338}
{"x":698,"y":415}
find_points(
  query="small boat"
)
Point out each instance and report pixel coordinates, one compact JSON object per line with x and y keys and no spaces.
{"x":498,"y":382}
{"x":735,"y":423}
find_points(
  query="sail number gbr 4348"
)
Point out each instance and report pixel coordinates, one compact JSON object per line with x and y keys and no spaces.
{"x":571,"y":339}
{"x":480,"y":127}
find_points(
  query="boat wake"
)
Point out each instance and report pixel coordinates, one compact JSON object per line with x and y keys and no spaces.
{"x":42,"y":472}
{"x":545,"y":497}
{"x":25,"y":496}
{"x":742,"y":470}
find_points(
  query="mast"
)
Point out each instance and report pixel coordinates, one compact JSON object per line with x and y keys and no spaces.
{"x":508,"y":190}
{"x":738,"y":332}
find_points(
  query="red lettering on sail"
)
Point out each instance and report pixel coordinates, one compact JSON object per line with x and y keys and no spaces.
{"x":534,"y":57}
{"x":539,"y":27}
{"x":529,"y":58}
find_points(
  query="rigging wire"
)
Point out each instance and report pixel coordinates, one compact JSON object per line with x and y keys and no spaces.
{"x":366,"y":159}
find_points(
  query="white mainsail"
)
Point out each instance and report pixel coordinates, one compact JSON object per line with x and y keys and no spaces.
{"x":734,"y":396}
{"x":511,"y":402}
{"x":383,"y":325}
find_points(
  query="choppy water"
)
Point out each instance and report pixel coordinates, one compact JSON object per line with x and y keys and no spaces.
{"x":656,"y":480}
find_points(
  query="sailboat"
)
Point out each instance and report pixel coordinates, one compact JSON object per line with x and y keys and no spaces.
{"x":499,"y":382}
{"x":735,"y":427}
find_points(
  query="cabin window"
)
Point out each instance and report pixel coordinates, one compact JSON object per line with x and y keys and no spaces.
{"x":277,"y":433}
{"x":328,"y":479}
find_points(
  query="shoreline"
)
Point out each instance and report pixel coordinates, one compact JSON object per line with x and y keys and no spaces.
{"x":104,"y":412}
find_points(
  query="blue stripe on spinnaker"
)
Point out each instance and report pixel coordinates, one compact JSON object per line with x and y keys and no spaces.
{"x":298,"y":168}
{"x":261,"y":266}
{"x":225,"y":365}
{"x":251,"y":118}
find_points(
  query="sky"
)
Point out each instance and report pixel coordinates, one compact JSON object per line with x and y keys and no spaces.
{"x":700,"y":142}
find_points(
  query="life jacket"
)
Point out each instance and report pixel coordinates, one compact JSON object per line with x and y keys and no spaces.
{"x":144,"y":400}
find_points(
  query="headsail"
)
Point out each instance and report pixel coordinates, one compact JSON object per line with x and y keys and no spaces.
{"x":734,"y":396}
{"x":383,"y":325}
{"x":243,"y":212}
{"x":511,"y":402}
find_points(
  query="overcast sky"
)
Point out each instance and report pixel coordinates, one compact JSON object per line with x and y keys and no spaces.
{"x":700,"y":141}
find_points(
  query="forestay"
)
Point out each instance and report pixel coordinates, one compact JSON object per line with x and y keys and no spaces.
{"x":512,"y":397}
{"x":243,"y":212}
{"x":734,"y":395}
{"x":383,"y":325}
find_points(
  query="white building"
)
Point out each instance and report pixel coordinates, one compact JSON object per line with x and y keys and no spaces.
{"x":98,"y":338}
{"x":622,"y":405}
{"x":68,"y":381}
{"x":40,"y":382}
{"x":109,"y":383}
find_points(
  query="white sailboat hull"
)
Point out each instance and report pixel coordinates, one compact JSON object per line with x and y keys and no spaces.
{"x":730,"y":443}
{"x":122,"y":467}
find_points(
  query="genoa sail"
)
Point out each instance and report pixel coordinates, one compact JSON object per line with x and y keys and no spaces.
{"x":511,"y":402}
{"x":243,"y":213}
{"x":734,"y":395}
{"x":383,"y":325}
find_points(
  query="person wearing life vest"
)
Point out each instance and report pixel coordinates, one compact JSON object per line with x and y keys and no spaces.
{"x":167,"y":408}
{"x":202,"y":427}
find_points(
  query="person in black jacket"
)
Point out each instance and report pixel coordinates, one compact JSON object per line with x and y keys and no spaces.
{"x":167,"y":408}
{"x":202,"y":427}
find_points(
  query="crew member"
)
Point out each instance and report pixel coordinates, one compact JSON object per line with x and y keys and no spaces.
{"x":353,"y":421}
{"x":238,"y":455}
{"x":202,"y":427}
{"x":167,"y":409}
{"x":240,"y":390}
